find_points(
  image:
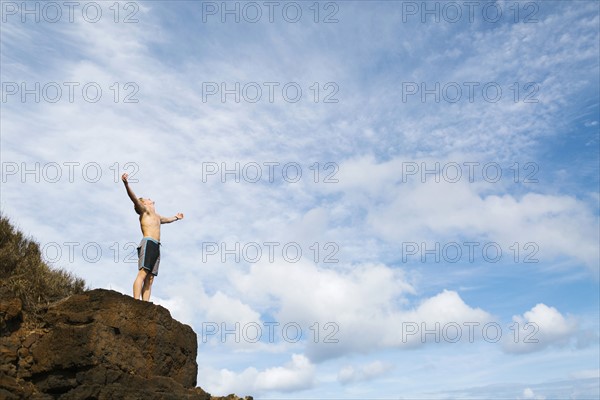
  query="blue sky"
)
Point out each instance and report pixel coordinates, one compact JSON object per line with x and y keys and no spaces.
{"x":503,"y":108}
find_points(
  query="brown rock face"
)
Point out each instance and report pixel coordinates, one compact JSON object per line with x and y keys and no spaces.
{"x":98,"y":345}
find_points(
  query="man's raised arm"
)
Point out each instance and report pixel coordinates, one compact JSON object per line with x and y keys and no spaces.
{"x":139,"y":207}
{"x":168,"y":220}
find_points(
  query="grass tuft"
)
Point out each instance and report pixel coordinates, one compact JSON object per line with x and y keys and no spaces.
{"x":25,"y":275}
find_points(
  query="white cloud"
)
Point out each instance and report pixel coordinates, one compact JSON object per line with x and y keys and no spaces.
{"x":365,"y":306}
{"x":538,"y":328}
{"x":218,"y":319}
{"x":297,"y":374}
{"x":529,"y":394}
{"x":370,"y":371}
{"x":586,"y":374}
{"x":544,"y":226}
{"x":446,"y":315}
{"x":306,"y":293}
{"x":223,"y":308}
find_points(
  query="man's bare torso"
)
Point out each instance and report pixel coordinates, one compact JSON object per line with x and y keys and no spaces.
{"x":150,"y":224}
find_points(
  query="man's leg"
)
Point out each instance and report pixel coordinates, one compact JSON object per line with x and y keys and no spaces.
{"x":139,"y":281}
{"x":147,"y":287}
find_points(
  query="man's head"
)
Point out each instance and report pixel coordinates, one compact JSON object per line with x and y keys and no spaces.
{"x":148,"y":203}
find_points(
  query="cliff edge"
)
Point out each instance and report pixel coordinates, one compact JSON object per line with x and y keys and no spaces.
{"x":99,"y":344}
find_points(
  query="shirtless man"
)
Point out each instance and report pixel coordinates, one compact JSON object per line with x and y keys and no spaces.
{"x":149,"y":250}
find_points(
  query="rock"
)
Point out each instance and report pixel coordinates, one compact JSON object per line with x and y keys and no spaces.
{"x":103,"y":327}
{"x":100,"y":344}
{"x":10,"y":315}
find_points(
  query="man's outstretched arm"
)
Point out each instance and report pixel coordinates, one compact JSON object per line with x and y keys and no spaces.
{"x":139,"y":207}
{"x":168,"y":220}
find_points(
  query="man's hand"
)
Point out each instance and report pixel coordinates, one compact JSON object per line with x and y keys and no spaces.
{"x":179,"y":215}
{"x":124,"y":178}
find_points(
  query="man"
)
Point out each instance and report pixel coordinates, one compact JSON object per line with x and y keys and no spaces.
{"x":149,"y":250}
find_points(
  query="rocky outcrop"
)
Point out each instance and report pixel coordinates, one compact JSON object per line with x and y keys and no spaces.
{"x":98,"y":345}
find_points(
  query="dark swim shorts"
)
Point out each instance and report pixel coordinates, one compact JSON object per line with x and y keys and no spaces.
{"x":149,"y":255}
